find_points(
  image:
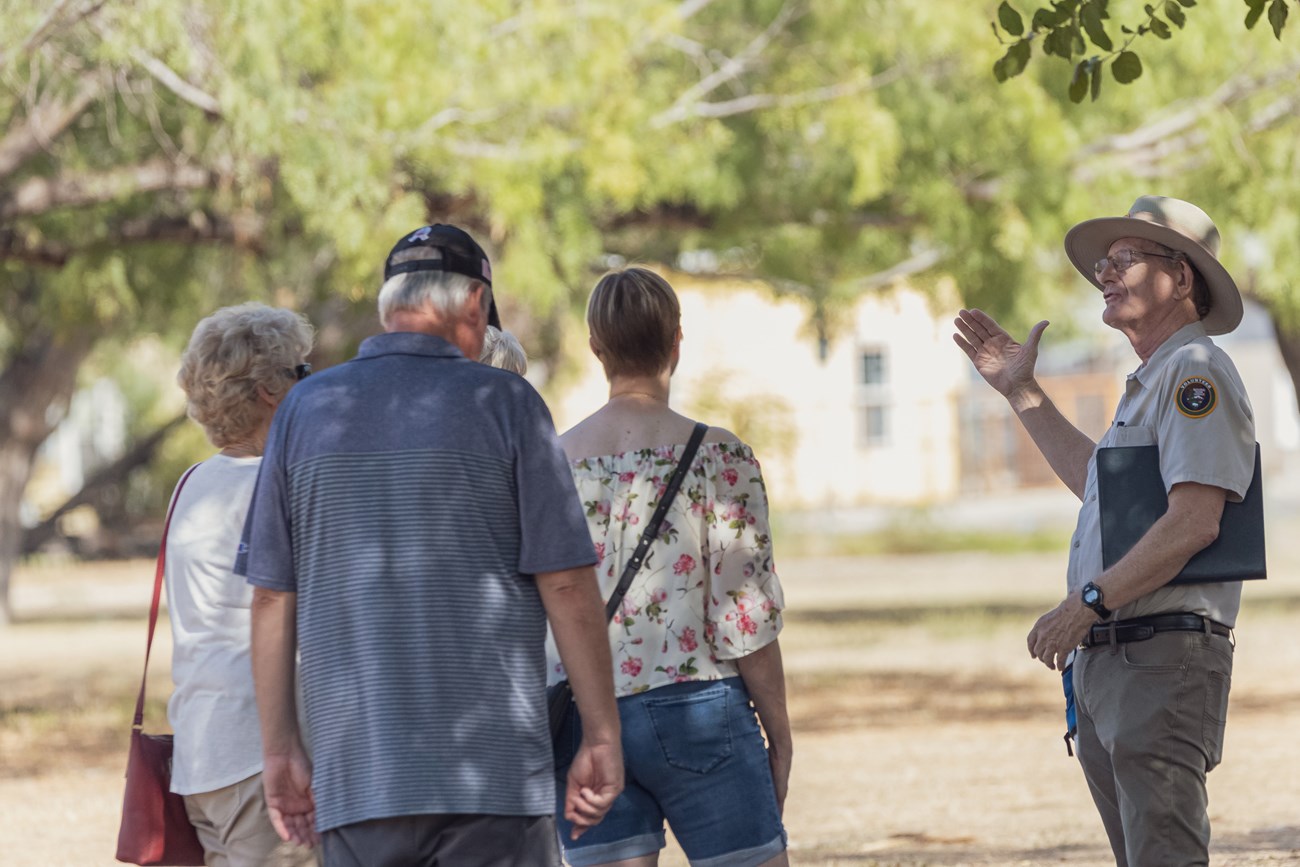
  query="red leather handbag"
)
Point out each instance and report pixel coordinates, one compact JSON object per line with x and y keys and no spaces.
{"x":155,"y":827}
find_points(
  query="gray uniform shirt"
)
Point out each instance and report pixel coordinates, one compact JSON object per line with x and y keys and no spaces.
{"x":1189,"y":400}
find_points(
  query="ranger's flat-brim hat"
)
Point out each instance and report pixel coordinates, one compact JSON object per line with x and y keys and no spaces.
{"x":1176,"y":224}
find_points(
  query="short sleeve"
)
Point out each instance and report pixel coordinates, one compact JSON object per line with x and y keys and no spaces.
{"x":554,"y":534}
{"x":1206,"y":427}
{"x":265,"y":554}
{"x":745,"y":599}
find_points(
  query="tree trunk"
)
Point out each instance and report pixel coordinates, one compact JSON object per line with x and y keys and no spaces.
{"x":35,"y":388}
{"x":1288,"y":343}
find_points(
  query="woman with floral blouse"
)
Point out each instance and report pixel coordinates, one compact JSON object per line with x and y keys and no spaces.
{"x":697,"y":666}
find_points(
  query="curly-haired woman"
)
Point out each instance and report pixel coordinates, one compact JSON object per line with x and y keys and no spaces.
{"x":241,"y":361}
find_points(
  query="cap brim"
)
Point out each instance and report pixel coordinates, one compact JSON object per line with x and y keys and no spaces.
{"x":1089,"y":241}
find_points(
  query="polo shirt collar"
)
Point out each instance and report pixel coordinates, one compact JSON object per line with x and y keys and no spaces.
{"x":1180,"y":338}
{"x":407,"y":343}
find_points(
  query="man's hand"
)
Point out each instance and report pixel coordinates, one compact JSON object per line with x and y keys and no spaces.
{"x":595,"y":780}
{"x":1006,"y":365}
{"x":1059,"y":631}
{"x":289,"y":800}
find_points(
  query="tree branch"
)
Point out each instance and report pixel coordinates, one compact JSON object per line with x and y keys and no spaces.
{"x":114,"y":474}
{"x":729,"y":71}
{"x":242,"y":231}
{"x":46,"y":27}
{"x":171,"y":80}
{"x":47,"y":121}
{"x":1145,"y":148}
{"x":759,"y":101}
{"x":40,"y":195}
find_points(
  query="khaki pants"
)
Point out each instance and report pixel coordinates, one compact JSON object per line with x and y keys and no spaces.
{"x":236,"y":832}
{"x":1151,"y":718}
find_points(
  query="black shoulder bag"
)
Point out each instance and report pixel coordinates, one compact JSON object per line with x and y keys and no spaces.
{"x":559,"y":698}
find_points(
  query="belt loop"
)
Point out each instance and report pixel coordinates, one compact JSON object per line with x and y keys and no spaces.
{"x":1205,"y":622}
{"x":1114,"y":643}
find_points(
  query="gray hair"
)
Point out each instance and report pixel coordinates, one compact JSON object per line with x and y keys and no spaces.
{"x":417,"y":291}
{"x":230,"y":354}
{"x":501,"y":349}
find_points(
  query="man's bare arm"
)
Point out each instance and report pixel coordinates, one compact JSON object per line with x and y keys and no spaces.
{"x":577,"y":617}
{"x":1008,"y":367}
{"x":286,"y":771}
{"x":1190,"y":524}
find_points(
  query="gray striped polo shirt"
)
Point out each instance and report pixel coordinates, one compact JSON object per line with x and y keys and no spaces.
{"x":408,"y":497}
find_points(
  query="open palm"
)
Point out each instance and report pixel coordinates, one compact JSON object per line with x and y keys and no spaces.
{"x":1005,"y":364}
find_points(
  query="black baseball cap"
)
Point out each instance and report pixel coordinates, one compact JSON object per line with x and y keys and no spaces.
{"x":460,"y":254}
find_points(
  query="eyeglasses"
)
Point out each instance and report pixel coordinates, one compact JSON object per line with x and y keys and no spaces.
{"x":302,"y":371}
{"x":1124,"y":259}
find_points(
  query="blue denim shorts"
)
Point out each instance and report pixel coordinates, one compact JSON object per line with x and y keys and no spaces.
{"x":694,"y":755}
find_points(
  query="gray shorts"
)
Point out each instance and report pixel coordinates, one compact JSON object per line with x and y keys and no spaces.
{"x":462,"y":839}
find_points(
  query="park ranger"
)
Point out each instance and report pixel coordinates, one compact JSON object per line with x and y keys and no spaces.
{"x":1152,"y":661}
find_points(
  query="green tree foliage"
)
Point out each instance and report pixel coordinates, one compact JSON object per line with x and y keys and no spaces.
{"x":1070,"y":29}
{"x":162,"y":158}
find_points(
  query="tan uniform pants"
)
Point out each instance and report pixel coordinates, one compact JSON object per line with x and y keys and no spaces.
{"x":1151,"y":718}
{"x":236,"y":832}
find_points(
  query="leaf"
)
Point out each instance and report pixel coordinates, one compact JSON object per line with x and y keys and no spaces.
{"x":1079,"y":81}
{"x":1256,"y":10}
{"x":1127,"y":67}
{"x":1047,"y":19}
{"x":1016,"y":59}
{"x":1010,"y":19}
{"x":1160,"y":28}
{"x":1059,"y":43}
{"x":1092,"y":25}
{"x":1096,"y":81}
{"x":1277,"y":16}
{"x":1175,"y":14}
{"x":1188,"y":3}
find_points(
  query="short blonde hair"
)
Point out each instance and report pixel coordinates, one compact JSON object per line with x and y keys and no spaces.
{"x":633,"y":316}
{"x":230,"y":354}
{"x":502,"y":349}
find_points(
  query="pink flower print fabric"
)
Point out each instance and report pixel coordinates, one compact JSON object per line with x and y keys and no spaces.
{"x":707,"y":592}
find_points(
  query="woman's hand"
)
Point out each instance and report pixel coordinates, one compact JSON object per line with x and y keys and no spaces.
{"x":780,"y":760}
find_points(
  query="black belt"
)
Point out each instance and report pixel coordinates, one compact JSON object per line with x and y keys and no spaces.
{"x":1142,"y":628}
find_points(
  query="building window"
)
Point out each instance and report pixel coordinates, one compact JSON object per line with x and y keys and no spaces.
{"x":873,"y":398}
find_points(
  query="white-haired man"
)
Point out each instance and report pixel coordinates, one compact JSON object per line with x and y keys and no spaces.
{"x":413,"y":530}
{"x":1152,"y":660}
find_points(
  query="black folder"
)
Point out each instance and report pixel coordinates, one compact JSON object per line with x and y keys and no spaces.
{"x":1131,"y":497}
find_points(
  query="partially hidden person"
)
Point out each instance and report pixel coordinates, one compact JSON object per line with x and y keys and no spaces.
{"x":240,"y":363}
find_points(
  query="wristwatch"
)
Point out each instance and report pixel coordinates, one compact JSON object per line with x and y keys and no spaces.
{"x":1094,"y":599}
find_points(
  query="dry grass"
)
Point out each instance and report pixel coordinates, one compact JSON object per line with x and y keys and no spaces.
{"x":924,"y":733}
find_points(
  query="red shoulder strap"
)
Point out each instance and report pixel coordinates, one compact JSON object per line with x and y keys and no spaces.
{"x":157,"y":593}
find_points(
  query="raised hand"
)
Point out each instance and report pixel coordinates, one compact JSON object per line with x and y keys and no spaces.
{"x":1005,"y":364}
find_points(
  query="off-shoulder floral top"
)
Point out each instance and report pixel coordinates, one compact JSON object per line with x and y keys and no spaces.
{"x":707,"y":592}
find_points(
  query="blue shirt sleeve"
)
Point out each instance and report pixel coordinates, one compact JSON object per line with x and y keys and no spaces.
{"x":554,"y":534}
{"x":266,"y":550}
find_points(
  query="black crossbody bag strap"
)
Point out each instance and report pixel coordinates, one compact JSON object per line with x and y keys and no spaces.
{"x":651,"y":531}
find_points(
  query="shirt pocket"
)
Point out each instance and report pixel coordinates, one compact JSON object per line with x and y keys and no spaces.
{"x":1133,"y":435}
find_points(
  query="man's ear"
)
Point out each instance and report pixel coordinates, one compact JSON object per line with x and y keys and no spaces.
{"x":595,"y":348}
{"x":477,"y":304}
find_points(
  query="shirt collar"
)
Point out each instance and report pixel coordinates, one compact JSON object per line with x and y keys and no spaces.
{"x":407,"y":343}
{"x":1180,"y":338}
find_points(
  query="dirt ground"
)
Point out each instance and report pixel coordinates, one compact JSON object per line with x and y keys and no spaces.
{"x":925,"y":735}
